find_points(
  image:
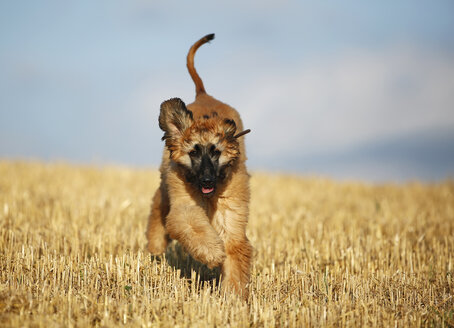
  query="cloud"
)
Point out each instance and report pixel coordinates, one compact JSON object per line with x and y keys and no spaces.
{"x":340,"y":102}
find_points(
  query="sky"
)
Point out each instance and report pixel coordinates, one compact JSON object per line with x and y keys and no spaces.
{"x":347,"y":90}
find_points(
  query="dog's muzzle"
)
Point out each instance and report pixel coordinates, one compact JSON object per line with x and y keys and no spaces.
{"x":207,"y":177}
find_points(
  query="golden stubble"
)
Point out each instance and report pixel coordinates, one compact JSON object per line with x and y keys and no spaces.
{"x":327,"y":253}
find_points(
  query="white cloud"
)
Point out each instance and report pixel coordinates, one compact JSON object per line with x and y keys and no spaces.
{"x":340,"y":102}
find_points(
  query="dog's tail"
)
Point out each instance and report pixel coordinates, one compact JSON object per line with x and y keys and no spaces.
{"x":199,"y":88}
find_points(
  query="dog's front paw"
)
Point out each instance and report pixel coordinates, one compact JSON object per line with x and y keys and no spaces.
{"x":157,"y":246}
{"x":216,"y":256}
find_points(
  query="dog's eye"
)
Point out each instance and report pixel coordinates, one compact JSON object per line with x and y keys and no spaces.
{"x":195,"y":151}
{"x":214,"y":151}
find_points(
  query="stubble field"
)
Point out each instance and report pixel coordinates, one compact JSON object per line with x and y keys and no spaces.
{"x":327,"y":253}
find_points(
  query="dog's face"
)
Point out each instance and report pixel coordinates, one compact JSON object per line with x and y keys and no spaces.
{"x":205,"y":148}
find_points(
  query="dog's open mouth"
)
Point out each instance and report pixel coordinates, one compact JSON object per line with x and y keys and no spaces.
{"x":207,"y":191}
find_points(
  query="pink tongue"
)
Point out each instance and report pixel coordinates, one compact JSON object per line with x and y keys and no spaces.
{"x":207,"y":190}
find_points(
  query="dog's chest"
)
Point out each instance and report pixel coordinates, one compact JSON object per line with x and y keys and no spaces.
{"x":223,"y":220}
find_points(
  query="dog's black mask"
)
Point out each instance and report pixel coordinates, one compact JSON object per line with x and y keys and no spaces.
{"x":205,"y":171}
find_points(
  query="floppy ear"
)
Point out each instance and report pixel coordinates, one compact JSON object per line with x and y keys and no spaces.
{"x":174,"y":118}
{"x":229,"y":128}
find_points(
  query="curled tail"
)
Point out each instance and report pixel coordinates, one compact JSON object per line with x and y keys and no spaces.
{"x":199,"y":88}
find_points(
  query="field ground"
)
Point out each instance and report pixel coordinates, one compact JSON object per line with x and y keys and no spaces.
{"x":72,"y":253}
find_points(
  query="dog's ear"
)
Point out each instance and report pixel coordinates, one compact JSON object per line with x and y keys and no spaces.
{"x":229,"y":128}
{"x":174,"y":118}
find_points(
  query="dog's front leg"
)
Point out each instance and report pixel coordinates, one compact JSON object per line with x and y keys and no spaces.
{"x":236,"y":268}
{"x":230,"y":222}
{"x":190,"y":226}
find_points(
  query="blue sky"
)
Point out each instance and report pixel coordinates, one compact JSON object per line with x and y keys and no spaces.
{"x":347,"y":89}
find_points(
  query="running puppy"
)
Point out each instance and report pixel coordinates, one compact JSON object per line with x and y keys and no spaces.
{"x":203,"y":198}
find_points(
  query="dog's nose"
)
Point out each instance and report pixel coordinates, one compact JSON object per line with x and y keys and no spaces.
{"x":207,"y":180}
{"x":207,"y":175}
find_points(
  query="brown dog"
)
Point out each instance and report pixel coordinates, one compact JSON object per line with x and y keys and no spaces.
{"x":203,"y":199}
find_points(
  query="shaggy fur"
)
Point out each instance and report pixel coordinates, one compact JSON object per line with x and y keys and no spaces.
{"x":203,"y":198}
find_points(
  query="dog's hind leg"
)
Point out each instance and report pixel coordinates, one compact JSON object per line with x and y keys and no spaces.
{"x":236,"y":267}
{"x":156,"y":232}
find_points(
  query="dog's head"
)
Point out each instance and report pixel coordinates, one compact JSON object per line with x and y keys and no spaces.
{"x":205,"y":148}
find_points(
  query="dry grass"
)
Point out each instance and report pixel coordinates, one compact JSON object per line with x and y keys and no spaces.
{"x":72,"y":253}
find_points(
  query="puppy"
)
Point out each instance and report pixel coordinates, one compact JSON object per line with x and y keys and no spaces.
{"x":203,"y":199}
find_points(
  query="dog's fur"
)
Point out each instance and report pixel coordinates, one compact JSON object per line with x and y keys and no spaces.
{"x":203,"y":198}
